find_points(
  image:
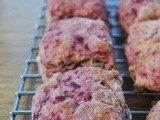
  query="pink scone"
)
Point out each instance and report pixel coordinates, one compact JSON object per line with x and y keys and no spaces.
{"x":154,"y":114}
{"x":62,"y":9}
{"x":86,"y":93}
{"x":131,"y":11}
{"x":68,"y":44}
{"x":143,"y":54}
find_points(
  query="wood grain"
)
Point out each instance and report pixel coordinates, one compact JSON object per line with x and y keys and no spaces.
{"x":17,"y":19}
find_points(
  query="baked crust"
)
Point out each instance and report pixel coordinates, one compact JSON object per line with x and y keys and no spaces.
{"x":62,"y":9}
{"x":72,"y":43}
{"x":143,"y":54}
{"x":154,"y":113}
{"x":86,"y":93}
{"x":131,"y":11}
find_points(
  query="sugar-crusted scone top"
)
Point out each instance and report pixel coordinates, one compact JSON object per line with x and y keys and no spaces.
{"x":131,"y":11}
{"x":75,"y":42}
{"x":143,"y":54}
{"x":62,"y":9}
{"x":81,"y":94}
{"x":154,"y":113}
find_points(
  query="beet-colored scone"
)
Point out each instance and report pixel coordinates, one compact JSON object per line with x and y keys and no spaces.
{"x":154,"y":113}
{"x":75,"y":42}
{"x":143,"y":54}
{"x":86,"y":93}
{"x":130,"y":11}
{"x":62,"y":9}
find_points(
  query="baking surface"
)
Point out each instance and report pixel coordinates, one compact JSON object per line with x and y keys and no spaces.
{"x":17,"y":19}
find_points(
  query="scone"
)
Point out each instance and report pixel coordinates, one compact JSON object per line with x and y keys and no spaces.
{"x":75,"y":42}
{"x":130,"y":11}
{"x":62,"y":9}
{"x":143,"y":54}
{"x":154,"y":114}
{"x":86,"y":93}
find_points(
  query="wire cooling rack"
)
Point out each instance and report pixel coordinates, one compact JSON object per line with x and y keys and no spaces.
{"x":138,"y":102}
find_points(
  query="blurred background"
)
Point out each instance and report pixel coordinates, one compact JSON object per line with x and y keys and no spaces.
{"x":17,"y":20}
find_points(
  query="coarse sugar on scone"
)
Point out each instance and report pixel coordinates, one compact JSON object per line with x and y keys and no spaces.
{"x":86,"y":93}
{"x":131,"y":11}
{"x":75,"y":42}
{"x":154,"y":113}
{"x":62,"y":9}
{"x":143,"y":54}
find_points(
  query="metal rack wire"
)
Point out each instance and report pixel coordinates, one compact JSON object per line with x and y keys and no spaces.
{"x":138,"y":102}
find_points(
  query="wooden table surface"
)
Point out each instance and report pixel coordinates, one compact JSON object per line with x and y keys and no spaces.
{"x":17,"y":19}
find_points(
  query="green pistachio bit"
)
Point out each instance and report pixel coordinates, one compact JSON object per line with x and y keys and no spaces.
{"x":140,"y":54}
{"x":139,"y":88}
{"x":131,"y":69}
